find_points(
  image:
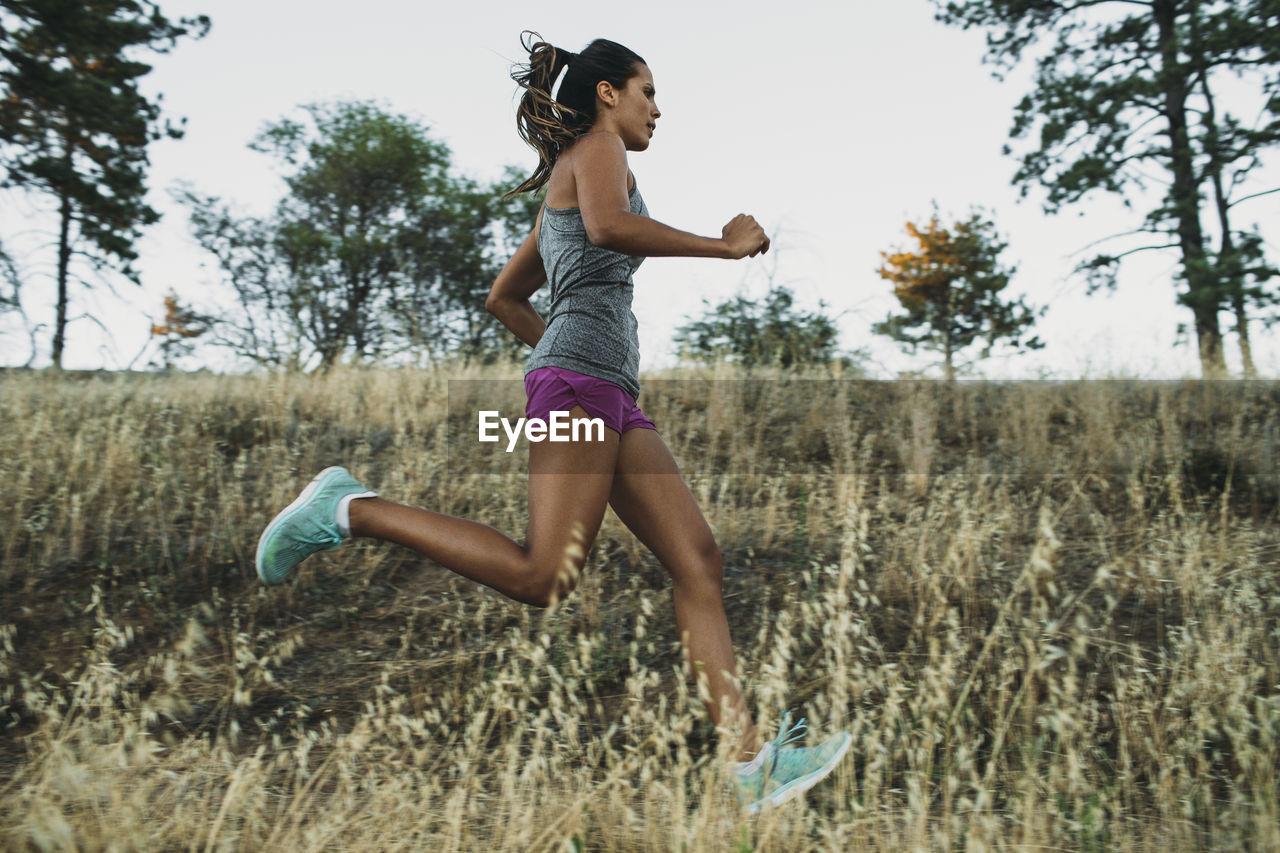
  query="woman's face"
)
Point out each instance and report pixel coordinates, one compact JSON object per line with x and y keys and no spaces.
{"x":635,"y":111}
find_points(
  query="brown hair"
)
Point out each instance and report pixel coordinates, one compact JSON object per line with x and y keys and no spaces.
{"x":548,"y":125}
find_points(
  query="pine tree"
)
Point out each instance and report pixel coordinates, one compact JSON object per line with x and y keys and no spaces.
{"x":75,"y":127}
{"x":1123,"y":98}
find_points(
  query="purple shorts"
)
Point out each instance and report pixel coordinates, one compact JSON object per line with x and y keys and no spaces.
{"x":556,"y":389}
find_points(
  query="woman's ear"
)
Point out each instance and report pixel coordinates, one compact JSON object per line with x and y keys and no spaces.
{"x":606,"y":93}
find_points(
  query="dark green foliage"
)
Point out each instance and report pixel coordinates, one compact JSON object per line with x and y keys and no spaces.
{"x":375,"y":251}
{"x":1124,"y":97}
{"x":751,"y":333}
{"x":75,"y":127}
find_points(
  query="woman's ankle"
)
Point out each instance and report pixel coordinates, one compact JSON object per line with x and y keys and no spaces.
{"x":357,"y":514}
{"x":750,"y":761}
{"x":749,"y":746}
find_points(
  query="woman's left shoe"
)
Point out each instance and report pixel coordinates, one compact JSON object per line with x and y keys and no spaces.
{"x":307,"y":525}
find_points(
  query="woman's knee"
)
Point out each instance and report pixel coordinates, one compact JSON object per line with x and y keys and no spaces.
{"x":548,"y":583}
{"x":703,"y":572}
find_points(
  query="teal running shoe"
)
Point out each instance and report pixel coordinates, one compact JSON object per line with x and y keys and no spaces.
{"x":787,"y":773}
{"x":307,"y":525}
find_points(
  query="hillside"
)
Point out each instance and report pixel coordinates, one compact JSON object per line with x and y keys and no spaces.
{"x":1049,"y":614}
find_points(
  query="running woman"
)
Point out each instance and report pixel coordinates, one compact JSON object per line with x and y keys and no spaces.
{"x":590,"y":235}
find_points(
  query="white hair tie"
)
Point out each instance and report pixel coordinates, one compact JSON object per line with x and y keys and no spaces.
{"x":558,"y":82}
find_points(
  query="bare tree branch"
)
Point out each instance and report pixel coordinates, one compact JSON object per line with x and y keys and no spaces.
{"x":1254,"y":195}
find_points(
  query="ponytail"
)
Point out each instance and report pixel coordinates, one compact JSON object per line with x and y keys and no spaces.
{"x":549,"y":124}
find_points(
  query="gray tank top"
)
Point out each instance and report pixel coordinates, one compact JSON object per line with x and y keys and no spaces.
{"x":590,"y":326}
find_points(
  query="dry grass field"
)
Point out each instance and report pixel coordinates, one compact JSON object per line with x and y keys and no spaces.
{"x":1049,"y":614}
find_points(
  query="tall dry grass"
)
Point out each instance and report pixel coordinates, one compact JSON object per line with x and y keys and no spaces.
{"x":1046,"y":613}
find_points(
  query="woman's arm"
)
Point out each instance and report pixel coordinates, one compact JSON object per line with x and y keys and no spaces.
{"x":508,"y":299}
{"x":600,"y":173}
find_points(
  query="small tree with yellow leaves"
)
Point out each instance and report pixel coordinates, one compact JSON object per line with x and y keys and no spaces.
{"x":949,"y":286}
{"x":181,"y":325}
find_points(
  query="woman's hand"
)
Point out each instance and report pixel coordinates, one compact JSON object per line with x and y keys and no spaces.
{"x":744,"y":237}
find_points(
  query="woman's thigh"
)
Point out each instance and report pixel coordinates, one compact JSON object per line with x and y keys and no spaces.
{"x":652,"y":499}
{"x":569,"y":485}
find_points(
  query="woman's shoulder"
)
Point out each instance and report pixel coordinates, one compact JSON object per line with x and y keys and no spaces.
{"x":594,"y":139}
{"x":599,"y":148}
{"x":592,"y":153}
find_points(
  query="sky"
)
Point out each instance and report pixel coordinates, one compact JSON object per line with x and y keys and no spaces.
{"x":832,"y":123}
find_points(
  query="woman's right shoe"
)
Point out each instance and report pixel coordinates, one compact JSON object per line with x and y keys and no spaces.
{"x":785,"y":774}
